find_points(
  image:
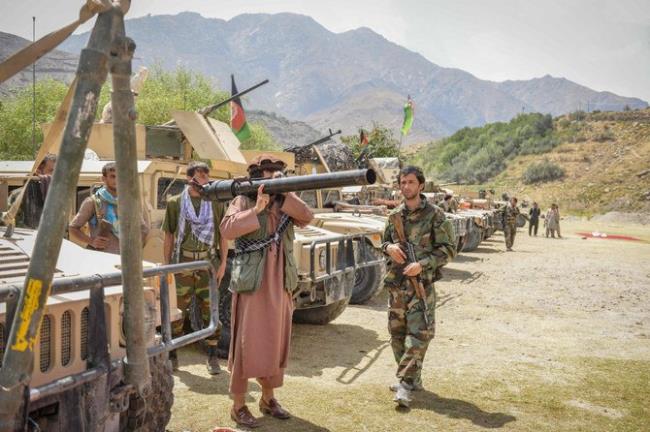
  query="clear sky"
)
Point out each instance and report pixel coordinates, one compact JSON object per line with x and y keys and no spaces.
{"x":604,"y":45}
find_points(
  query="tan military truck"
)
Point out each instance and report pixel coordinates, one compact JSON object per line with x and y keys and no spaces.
{"x":326,"y":267}
{"x":332,"y":214}
{"x":69,"y":350}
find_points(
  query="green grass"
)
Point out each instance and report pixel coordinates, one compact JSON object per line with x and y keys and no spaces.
{"x":583,"y":394}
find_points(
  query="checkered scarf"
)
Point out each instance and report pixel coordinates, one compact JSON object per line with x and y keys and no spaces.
{"x":202,"y":225}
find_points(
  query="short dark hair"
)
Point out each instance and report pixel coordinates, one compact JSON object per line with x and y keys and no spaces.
{"x":411,"y":169}
{"x":48,"y":157}
{"x":195,"y":166}
{"x":109,"y":167}
{"x":514,"y":199}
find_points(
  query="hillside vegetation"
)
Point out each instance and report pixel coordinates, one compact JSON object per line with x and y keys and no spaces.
{"x":163,"y":92}
{"x":588,"y":163}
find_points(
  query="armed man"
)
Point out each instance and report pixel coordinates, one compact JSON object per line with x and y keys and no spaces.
{"x":191,"y":227}
{"x":264,"y":275}
{"x":510,"y":213}
{"x":419,"y":240}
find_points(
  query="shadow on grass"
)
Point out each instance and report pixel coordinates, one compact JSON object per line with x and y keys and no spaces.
{"x":294,"y":424}
{"x":459,"y":409}
{"x":315,"y":348}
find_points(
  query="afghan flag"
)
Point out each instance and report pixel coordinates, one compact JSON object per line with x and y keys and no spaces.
{"x":408,"y":117}
{"x":238,"y":122}
{"x":363,"y":138}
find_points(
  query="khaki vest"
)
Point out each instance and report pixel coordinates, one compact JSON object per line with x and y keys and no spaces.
{"x":248,"y":269}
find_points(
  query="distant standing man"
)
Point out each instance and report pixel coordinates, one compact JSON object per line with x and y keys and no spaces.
{"x":432,"y":235}
{"x":191,"y":227}
{"x":264,"y":275}
{"x":553,"y":221}
{"x":533,"y":221}
{"x":99,"y":210}
{"x":510,"y":213}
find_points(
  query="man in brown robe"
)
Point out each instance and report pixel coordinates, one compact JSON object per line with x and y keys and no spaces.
{"x":263,"y":277}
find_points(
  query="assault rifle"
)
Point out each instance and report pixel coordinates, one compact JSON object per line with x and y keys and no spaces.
{"x":416,"y":281}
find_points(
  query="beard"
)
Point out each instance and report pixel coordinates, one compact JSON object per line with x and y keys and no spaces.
{"x":410,"y":195}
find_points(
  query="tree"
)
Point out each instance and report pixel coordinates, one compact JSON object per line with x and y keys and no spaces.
{"x":381,"y":143}
{"x":16,"y":117}
{"x":163,"y":92}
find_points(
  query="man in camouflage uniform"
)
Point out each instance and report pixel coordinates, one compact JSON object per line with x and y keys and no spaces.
{"x":191,"y":227}
{"x":510,"y":213}
{"x":433,"y":236}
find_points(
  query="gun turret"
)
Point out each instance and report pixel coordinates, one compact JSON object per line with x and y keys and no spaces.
{"x":224,"y":190}
{"x":324,"y":139}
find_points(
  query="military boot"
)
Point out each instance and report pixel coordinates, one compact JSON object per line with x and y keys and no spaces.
{"x":213,"y":361}
{"x":403,"y":395}
{"x":173,"y":357}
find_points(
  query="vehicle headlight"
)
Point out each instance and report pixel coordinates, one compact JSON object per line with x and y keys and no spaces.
{"x":322,"y":260}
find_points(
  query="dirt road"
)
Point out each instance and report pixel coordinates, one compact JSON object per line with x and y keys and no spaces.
{"x":553,"y":336}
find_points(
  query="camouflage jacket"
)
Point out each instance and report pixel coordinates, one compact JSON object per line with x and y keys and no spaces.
{"x":432,"y":236}
{"x":510,"y":214}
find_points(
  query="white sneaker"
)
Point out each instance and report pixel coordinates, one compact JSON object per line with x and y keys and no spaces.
{"x":403,"y":395}
{"x":416,"y":387}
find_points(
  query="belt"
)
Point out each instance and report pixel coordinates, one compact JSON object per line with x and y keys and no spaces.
{"x":196,"y":255}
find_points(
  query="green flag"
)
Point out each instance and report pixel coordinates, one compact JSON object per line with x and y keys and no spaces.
{"x":408,"y":117}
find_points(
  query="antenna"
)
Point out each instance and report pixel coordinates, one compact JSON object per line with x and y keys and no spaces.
{"x":34,"y":90}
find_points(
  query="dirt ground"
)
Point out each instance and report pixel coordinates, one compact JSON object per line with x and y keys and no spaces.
{"x":554,"y":336}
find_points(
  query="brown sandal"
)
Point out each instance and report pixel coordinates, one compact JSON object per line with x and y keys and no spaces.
{"x":243,"y":417}
{"x":274,"y":409}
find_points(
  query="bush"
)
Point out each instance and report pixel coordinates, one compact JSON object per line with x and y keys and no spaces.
{"x":163,"y":92}
{"x":479,"y":154}
{"x":606,"y":135}
{"x":544,"y":171}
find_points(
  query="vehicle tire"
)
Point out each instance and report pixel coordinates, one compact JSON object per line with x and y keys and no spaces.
{"x":461,"y":243}
{"x":368,"y":281}
{"x":473,"y":239}
{"x":320,"y":315}
{"x":158,"y":404}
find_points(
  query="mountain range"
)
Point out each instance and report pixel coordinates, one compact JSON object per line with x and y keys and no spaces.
{"x":56,"y":64}
{"x":344,"y":80}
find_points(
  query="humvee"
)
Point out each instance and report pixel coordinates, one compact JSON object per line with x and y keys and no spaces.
{"x":325,"y":266}
{"x":331,"y":214}
{"x":70,"y":353}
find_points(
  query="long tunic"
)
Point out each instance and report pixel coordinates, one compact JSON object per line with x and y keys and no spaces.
{"x":261,"y":321}
{"x":553,"y":220}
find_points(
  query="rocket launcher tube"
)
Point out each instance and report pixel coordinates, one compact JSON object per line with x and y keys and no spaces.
{"x":225,"y":190}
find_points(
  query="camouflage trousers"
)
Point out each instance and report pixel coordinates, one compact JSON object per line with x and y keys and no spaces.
{"x":193,"y":287}
{"x":509,"y":232}
{"x":409,"y":334}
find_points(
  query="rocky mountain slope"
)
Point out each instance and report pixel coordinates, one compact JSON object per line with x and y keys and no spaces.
{"x":58,"y":65}
{"x":345,"y":80}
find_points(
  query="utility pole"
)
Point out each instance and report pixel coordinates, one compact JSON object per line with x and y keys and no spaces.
{"x":34,"y":91}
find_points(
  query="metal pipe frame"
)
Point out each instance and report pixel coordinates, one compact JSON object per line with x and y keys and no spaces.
{"x":129,"y":209}
{"x":15,"y":374}
{"x":352,"y":263}
{"x":81,"y":283}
